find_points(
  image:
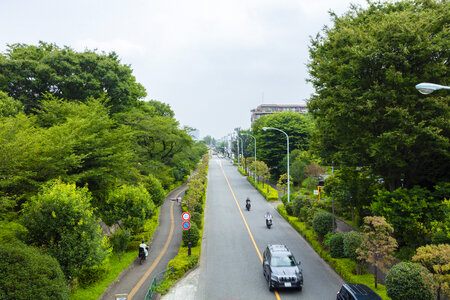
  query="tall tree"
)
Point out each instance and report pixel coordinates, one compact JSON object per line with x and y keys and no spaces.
{"x":272,"y":144}
{"x":368,"y":112}
{"x":27,"y":72}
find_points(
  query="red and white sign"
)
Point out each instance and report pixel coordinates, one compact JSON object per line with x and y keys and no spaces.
{"x":186,"y":225}
{"x":186,"y":216}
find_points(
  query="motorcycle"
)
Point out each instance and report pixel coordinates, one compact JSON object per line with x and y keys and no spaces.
{"x":269,"y":222}
{"x":248,"y":205}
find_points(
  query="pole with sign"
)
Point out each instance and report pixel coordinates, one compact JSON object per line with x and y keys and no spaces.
{"x":187,"y":226}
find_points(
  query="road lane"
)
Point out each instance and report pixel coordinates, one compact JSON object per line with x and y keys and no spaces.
{"x":230,"y":266}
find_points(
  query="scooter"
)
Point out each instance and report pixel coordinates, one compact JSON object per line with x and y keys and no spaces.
{"x":269,"y":222}
{"x":247,"y":206}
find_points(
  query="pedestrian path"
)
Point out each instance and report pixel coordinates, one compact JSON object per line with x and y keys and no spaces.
{"x":135,"y":280}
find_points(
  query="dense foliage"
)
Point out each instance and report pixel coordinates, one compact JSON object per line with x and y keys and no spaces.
{"x":76,"y":144}
{"x":368,"y":113}
{"x":27,"y":72}
{"x":26,"y":273}
{"x":61,"y":222}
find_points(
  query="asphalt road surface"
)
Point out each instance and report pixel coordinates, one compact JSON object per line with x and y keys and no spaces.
{"x":234,"y":240}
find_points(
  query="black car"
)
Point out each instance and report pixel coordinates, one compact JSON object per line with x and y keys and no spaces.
{"x":280,"y":268}
{"x":356,"y":291}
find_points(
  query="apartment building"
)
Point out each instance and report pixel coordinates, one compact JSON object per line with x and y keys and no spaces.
{"x":267,"y":109}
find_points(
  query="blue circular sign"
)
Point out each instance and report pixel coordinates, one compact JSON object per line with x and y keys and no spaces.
{"x":186,"y":225}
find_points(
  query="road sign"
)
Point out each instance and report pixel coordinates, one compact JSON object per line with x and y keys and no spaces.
{"x":186,"y":216}
{"x":186,"y":225}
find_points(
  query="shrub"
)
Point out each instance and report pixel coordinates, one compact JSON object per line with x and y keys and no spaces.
{"x":25,"y":273}
{"x":410,"y":281}
{"x":197,"y":219}
{"x":322,"y":223}
{"x":119,"y":241}
{"x":198,"y":208}
{"x":289,"y":208}
{"x":337,"y":245}
{"x":195,"y":235}
{"x":90,"y":275}
{"x":352,"y":241}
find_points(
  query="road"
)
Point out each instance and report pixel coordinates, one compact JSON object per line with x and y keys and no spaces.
{"x":234,"y":240}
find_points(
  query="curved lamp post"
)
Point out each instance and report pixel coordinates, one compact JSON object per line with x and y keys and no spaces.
{"x":287,"y":143}
{"x":255,"y":151}
{"x":428,"y":88}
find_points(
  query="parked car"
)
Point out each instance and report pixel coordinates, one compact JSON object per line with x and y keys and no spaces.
{"x":356,"y":291}
{"x":280,"y":268}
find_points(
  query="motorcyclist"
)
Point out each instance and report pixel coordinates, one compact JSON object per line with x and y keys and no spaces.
{"x":144,"y":246}
{"x":268,"y":216}
{"x":247,"y":203}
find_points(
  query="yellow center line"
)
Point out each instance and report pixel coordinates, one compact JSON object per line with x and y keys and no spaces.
{"x":246,"y":225}
{"x":155,"y":263}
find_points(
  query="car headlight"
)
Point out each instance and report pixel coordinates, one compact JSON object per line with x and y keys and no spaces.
{"x":274,"y":277}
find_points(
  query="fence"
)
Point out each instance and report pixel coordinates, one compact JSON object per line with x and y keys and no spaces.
{"x":156,"y":281}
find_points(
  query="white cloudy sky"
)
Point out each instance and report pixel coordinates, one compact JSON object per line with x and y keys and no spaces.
{"x":211,"y":61}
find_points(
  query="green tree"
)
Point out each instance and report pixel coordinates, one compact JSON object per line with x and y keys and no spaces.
{"x":436,"y":258}
{"x":128,"y":206}
{"x":155,"y":189}
{"x":27,"y":72}
{"x":26,"y":273}
{"x":367,"y":111}
{"x":100,"y":151}
{"x":262,"y":171}
{"x":8,"y":106}
{"x":298,"y":171}
{"x":408,"y":280}
{"x":61,"y":222}
{"x":272,"y":144}
{"x":410,"y":211}
{"x":378,"y":245}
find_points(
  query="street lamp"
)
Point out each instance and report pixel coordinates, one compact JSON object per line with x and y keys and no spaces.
{"x":287,"y":143}
{"x":428,"y":88}
{"x":255,"y":152}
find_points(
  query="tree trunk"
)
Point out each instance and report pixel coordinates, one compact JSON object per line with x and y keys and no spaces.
{"x":375,"y":274}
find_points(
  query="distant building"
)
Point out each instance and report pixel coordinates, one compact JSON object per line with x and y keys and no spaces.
{"x":267,"y":109}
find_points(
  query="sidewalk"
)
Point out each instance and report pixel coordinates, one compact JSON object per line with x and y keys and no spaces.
{"x":158,"y":257}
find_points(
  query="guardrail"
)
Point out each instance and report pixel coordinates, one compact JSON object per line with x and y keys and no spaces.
{"x":156,"y":281}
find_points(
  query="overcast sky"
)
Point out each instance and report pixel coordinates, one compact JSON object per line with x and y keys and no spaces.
{"x":211,"y":61}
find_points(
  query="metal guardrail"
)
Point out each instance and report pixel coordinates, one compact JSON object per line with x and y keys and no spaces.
{"x":161,"y":276}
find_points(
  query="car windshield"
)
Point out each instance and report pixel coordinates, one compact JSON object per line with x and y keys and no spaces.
{"x":282,"y":261}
